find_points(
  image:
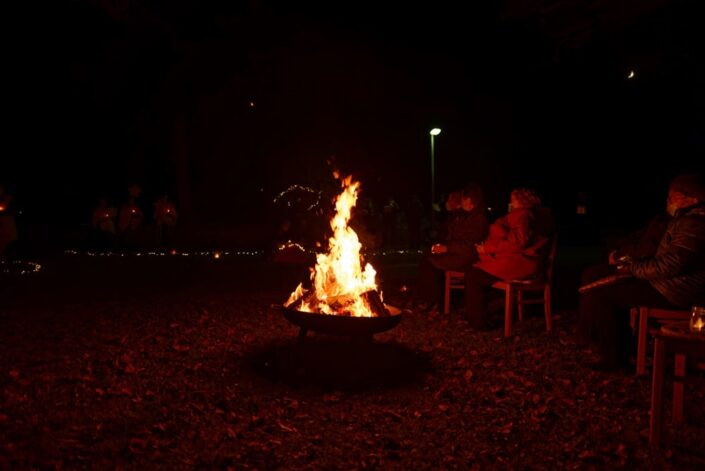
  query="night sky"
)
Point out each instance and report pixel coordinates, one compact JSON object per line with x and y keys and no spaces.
{"x":223,"y":105}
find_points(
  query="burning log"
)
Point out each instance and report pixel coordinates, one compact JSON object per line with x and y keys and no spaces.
{"x":374,"y":302}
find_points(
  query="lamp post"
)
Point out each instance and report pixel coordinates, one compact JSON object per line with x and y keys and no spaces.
{"x":434,"y":132}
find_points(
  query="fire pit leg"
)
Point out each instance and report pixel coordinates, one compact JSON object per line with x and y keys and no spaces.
{"x":302,"y":335}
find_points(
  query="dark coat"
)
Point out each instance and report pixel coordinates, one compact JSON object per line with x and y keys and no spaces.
{"x":677,"y":270}
{"x":466,"y":229}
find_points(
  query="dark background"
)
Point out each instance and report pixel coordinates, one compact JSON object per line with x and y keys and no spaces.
{"x":224,"y":105}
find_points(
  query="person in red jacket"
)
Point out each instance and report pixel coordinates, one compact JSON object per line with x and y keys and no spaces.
{"x":517,"y":248}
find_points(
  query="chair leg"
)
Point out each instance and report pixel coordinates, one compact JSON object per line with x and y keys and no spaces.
{"x":679,"y":376}
{"x":446,"y":294}
{"x":547,"y":307}
{"x":642,"y":335}
{"x":633,"y":316}
{"x":657,"y":395}
{"x":508,"y":304}
{"x":520,"y":304}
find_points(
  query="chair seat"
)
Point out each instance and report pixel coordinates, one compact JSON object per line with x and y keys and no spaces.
{"x":533,"y":283}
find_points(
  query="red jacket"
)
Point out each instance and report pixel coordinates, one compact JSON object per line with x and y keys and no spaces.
{"x":518,"y":244}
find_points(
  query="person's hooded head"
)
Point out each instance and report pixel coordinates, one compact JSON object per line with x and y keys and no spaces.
{"x":685,"y":191}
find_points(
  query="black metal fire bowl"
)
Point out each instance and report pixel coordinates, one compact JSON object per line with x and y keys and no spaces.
{"x":340,"y":325}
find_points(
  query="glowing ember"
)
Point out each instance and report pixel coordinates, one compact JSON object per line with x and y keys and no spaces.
{"x":340,"y":286}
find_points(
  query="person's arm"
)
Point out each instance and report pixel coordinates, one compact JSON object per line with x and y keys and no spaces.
{"x":687,"y":249}
{"x":642,"y":243}
{"x":517,"y":238}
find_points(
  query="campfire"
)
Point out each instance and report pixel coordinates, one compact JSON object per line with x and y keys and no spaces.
{"x":339,"y":284}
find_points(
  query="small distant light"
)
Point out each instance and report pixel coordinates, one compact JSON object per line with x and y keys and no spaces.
{"x":261,"y":189}
{"x":252,"y":104}
{"x":631,"y":75}
{"x":216,"y":255}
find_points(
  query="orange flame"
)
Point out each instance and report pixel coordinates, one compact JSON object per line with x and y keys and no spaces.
{"x":338,"y":274}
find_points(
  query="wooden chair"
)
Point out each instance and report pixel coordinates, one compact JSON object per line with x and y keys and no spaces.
{"x":644,"y":320}
{"x":513,"y":290}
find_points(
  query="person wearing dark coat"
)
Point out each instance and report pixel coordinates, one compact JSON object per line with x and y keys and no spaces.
{"x":467,"y":228}
{"x":636,"y":246}
{"x":517,"y":248}
{"x":673,"y":278}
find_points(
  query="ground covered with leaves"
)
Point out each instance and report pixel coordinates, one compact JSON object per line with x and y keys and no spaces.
{"x":169,"y":363}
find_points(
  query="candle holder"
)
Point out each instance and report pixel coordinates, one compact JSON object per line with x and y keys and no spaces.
{"x":697,"y":319}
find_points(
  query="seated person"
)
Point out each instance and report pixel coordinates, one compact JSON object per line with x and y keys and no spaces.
{"x":103,"y":219}
{"x":641,"y":244}
{"x":467,"y":227}
{"x":517,"y":248}
{"x":673,"y":278}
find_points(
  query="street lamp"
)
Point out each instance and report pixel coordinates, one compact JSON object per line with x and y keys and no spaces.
{"x":434,"y":132}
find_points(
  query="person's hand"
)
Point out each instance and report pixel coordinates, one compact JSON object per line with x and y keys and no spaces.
{"x":438,"y":248}
{"x":612,"y":258}
{"x":480,"y":248}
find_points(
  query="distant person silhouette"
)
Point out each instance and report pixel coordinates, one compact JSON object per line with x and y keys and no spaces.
{"x":8,"y":229}
{"x":130,"y":218}
{"x":103,"y":224}
{"x":165,"y":217}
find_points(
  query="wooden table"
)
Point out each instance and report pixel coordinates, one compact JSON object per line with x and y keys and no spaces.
{"x":676,"y":339}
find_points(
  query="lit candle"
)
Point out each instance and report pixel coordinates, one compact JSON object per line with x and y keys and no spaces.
{"x":699,"y":324}
{"x":697,"y":319}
